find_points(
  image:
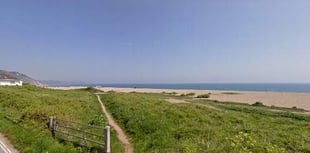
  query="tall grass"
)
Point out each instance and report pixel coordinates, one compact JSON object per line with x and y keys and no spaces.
{"x":30,"y":108}
{"x":155,"y":125}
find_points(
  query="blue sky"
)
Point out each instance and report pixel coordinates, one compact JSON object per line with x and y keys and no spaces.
{"x":157,"y":41}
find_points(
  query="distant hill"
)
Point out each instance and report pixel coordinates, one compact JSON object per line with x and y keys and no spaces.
{"x":19,"y":76}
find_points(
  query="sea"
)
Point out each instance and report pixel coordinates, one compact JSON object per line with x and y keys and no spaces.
{"x":274,"y":87}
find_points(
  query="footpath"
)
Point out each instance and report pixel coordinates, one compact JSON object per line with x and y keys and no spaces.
{"x":120,"y":133}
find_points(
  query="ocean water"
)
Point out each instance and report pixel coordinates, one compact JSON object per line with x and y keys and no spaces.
{"x":275,"y":87}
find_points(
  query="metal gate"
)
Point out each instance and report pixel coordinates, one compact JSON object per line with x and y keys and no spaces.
{"x":79,"y":133}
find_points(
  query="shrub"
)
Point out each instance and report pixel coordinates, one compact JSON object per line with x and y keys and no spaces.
{"x":111,"y":91}
{"x":258,"y":104}
{"x":203,"y":96}
{"x":190,"y":94}
{"x":230,"y":93}
{"x":92,"y":89}
{"x":173,"y":93}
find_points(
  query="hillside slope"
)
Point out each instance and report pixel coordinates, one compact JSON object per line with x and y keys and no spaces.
{"x":16,"y":75}
{"x":30,"y":108}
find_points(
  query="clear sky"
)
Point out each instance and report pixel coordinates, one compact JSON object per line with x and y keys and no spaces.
{"x":157,"y":41}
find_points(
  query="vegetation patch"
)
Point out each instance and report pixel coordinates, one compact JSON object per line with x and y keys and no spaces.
{"x":258,"y":104}
{"x":203,"y":96}
{"x":29,"y":108}
{"x":188,"y":94}
{"x":92,"y":89}
{"x":230,"y":93}
{"x":172,"y":93}
{"x":111,"y":91}
{"x":157,"y":126}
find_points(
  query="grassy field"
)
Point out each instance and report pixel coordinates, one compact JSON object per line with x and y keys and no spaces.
{"x":155,"y":125}
{"x":30,"y":108}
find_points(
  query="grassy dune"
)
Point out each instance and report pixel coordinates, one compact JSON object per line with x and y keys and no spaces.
{"x":156,"y":125}
{"x":30,"y":108}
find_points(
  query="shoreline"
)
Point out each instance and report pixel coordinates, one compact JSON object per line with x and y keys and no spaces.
{"x":268,"y":98}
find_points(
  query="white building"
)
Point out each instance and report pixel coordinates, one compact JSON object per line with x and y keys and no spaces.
{"x":10,"y":82}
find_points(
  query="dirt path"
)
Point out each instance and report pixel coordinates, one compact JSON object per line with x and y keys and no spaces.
{"x":120,"y":133}
{"x":5,"y":146}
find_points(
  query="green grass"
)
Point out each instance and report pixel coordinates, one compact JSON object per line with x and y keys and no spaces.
{"x":30,"y":107}
{"x":155,"y":125}
{"x":244,"y":106}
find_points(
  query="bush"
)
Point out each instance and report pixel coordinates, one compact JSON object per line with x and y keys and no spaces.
{"x":190,"y":94}
{"x":173,"y":93}
{"x":230,"y":93}
{"x":258,"y":104}
{"x":92,"y":89}
{"x":111,"y":91}
{"x":203,"y":96}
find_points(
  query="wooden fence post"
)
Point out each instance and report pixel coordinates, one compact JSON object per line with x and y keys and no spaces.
{"x":107,"y":148}
{"x":50,"y":125}
{"x":52,"y":122}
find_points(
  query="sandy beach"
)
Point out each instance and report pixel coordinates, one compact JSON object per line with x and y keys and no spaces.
{"x":282,"y":99}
